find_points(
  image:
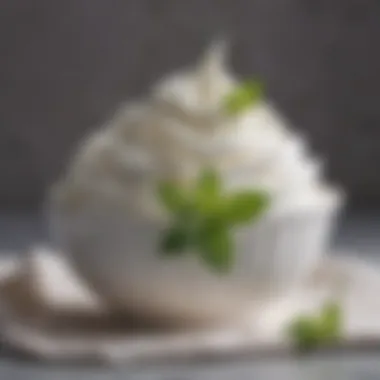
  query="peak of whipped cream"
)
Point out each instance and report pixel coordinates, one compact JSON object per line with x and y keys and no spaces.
{"x":180,"y":128}
{"x":200,"y":88}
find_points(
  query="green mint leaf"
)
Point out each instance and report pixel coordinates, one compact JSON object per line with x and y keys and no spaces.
{"x":174,"y":241}
{"x":216,"y":247}
{"x":203,"y":218}
{"x":209,"y":183}
{"x":246,"y":206}
{"x":243,"y":97}
{"x":208,"y":192}
{"x":171,"y":196}
{"x":308,"y":332}
{"x":331,"y":322}
{"x":304,"y":333}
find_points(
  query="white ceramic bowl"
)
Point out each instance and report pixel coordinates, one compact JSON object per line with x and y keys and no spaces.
{"x":115,"y":252}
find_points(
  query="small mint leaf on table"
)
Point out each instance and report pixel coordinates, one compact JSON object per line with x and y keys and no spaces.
{"x":245,"y":207}
{"x":243,"y":97}
{"x":310,"y":332}
{"x":331,"y":321}
{"x":304,"y":333}
{"x":174,"y":241}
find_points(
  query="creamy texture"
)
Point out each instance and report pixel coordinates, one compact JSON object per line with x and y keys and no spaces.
{"x":181,"y":128}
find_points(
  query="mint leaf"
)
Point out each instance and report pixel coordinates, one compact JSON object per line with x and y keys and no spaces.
{"x":310,"y":332}
{"x":243,"y":97}
{"x":171,"y":196}
{"x":245,"y":207}
{"x":304,"y":333}
{"x":207,"y":192}
{"x":331,"y":321}
{"x":174,"y":241}
{"x":209,"y":183}
{"x":203,"y":217}
{"x":216,"y":247}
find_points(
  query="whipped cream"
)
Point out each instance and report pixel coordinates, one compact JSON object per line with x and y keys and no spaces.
{"x":182,"y":127}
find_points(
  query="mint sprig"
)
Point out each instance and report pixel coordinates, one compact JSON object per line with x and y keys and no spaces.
{"x":309,"y":332}
{"x":203,"y":216}
{"x":243,"y":97}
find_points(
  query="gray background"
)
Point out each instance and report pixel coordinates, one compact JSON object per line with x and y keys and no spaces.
{"x":66,"y":65}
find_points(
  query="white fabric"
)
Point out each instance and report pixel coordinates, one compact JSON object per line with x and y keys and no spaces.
{"x":46,"y":311}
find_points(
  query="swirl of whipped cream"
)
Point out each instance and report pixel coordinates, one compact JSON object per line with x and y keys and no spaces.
{"x":181,"y":128}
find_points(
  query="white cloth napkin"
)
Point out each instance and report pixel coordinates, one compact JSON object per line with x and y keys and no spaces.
{"x":47,"y":312}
